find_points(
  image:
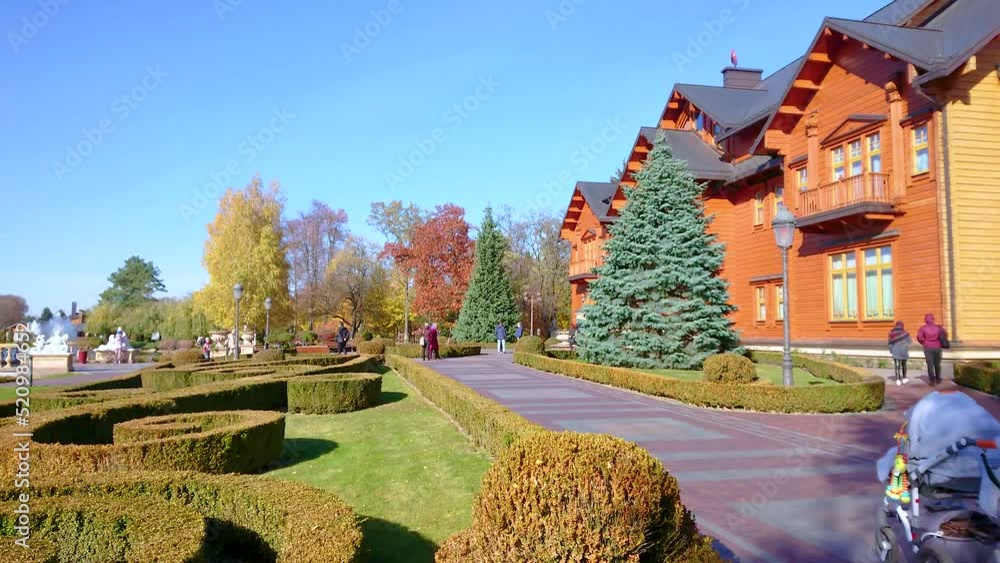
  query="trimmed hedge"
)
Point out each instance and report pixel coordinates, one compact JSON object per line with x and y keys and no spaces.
{"x":247,"y":518}
{"x":489,"y":424}
{"x":371,"y":347}
{"x":729,"y":368}
{"x":446,"y":351}
{"x":562,"y":354}
{"x":330,"y":394}
{"x":186,"y":357}
{"x":579,"y":497}
{"x":531,"y":345}
{"x":859,"y":391}
{"x":981,"y":376}
{"x":50,"y":400}
{"x":97,"y":530}
{"x":269,"y":355}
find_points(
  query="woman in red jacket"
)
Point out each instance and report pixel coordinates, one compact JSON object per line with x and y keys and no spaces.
{"x":933,"y":338}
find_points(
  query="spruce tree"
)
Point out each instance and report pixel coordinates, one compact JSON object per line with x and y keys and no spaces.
{"x":658,"y":301}
{"x":490,"y":297}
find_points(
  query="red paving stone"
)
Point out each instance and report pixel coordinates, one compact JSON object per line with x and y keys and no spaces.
{"x":768,"y":487}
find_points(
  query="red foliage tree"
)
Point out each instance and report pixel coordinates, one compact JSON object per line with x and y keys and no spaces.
{"x":442,"y":255}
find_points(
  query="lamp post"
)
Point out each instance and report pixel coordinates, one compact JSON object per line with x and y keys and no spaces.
{"x":237,"y":295}
{"x":267,"y":321}
{"x":530,"y":298}
{"x":784,"y":236}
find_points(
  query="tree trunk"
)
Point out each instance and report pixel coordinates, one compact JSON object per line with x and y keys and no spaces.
{"x":406,"y":310}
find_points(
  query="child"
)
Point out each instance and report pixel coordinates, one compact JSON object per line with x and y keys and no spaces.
{"x":899,"y":347}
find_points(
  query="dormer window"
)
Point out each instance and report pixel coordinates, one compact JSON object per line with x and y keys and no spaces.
{"x":699,"y":121}
{"x":716,"y":130}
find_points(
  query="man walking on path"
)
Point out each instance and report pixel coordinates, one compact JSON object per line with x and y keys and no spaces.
{"x":519,"y":331}
{"x":343,"y":335}
{"x":933,"y":338}
{"x":501,"y":337}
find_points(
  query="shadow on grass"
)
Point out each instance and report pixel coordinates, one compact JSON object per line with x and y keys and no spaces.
{"x":389,"y":397}
{"x":300,"y":450}
{"x":388,"y":542}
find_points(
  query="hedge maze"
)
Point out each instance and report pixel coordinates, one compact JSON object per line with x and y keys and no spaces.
{"x":153,"y":465}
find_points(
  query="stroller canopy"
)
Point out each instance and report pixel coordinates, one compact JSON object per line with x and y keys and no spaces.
{"x":938,"y":421}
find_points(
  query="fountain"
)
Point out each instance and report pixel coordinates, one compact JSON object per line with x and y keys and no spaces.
{"x":50,"y":356}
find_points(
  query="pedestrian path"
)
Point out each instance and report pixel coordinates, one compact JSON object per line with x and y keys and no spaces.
{"x":769,"y":487}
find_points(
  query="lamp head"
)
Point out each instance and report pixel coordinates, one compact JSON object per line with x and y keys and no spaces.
{"x":784,"y":227}
{"x":238,"y":291}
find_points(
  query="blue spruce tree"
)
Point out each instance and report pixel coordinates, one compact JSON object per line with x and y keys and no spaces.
{"x":658,"y":301}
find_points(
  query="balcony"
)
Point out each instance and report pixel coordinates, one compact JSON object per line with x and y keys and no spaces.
{"x":868,"y":196}
{"x":581,"y":269}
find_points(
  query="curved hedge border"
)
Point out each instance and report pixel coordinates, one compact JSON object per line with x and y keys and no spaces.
{"x":981,"y":376}
{"x":859,"y":391}
{"x":50,"y":400}
{"x":336,"y":393}
{"x":264,"y":518}
{"x":92,"y":529}
{"x":446,"y":351}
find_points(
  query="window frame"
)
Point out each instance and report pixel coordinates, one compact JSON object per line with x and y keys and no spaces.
{"x":844,"y":271}
{"x":833,"y":163}
{"x":869,"y":153}
{"x":852,"y":160}
{"x":916,"y":147}
{"x":879,"y":267}
{"x":758,"y":208}
{"x":777,"y":198}
{"x":800,"y":175}
{"x":779,"y":301}
{"x":760,"y":303}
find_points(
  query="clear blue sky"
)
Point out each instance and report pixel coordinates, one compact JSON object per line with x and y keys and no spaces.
{"x":200,"y":77}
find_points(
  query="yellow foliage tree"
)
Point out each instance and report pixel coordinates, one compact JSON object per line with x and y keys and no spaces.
{"x":246,"y":245}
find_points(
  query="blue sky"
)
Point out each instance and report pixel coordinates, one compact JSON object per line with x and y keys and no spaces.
{"x":119,"y":114}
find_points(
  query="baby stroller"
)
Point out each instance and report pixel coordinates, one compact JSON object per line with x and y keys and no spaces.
{"x":942,"y":497}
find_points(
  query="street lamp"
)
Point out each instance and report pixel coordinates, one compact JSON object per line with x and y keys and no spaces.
{"x":237,"y":295}
{"x":267,"y":321}
{"x":531,"y":305}
{"x":784,"y":235}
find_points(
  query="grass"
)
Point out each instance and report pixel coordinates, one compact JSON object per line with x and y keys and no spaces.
{"x":766,"y":375}
{"x":401,"y":465}
{"x":7,"y":391}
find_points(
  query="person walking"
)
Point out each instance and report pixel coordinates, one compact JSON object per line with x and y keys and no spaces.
{"x":518,"y":332}
{"x":424,"y":333}
{"x":343,"y":335}
{"x":501,"y":337}
{"x":899,"y":347}
{"x":933,"y":338}
{"x":206,"y":349}
{"x":432,"y":343}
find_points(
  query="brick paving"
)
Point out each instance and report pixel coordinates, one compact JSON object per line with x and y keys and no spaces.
{"x":768,"y":487}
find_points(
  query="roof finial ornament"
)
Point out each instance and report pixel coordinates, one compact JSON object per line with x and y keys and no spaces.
{"x":732,"y":57}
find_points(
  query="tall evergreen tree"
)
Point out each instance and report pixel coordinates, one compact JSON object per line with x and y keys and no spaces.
{"x":658,"y":301}
{"x":490,"y":298}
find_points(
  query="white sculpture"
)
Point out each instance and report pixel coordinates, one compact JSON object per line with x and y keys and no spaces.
{"x":58,"y":343}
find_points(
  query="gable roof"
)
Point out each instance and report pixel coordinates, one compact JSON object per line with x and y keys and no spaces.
{"x":704,"y":161}
{"x":726,"y":106}
{"x":774,"y":87}
{"x":897,"y":11}
{"x":598,"y":196}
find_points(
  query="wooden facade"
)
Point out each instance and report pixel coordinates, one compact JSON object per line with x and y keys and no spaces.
{"x":894,"y":212}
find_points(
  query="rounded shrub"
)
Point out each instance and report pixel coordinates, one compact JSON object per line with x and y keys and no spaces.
{"x":366,"y":336}
{"x":186,"y":357}
{"x":371,"y":347}
{"x":269,"y":355}
{"x":531,"y":345}
{"x":729,"y":368}
{"x":240,"y":517}
{"x":329,"y":394}
{"x":579,"y":497}
{"x":91,"y":530}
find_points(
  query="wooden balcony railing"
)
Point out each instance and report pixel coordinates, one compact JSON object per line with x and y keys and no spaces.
{"x":578,"y":267}
{"x":869,"y":187}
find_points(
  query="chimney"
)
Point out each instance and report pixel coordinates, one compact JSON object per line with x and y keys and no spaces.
{"x":736,"y":77}
{"x":72,"y":310}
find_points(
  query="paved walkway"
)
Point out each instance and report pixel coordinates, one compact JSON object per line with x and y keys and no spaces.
{"x":770,"y":488}
{"x":87,"y":373}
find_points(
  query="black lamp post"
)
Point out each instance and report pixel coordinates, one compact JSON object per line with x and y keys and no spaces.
{"x":267,"y":321}
{"x":237,"y":295}
{"x":784,"y":236}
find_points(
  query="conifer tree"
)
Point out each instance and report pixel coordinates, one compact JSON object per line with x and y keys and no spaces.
{"x":490,"y":297}
{"x":658,"y":301}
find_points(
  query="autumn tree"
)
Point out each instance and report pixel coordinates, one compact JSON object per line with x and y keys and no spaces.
{"x":134,"y":283}
{"x":13,"y":309}
{"x":398,"y":223}
{"x":356,"y":281}
{"x":442,"y":255}
{"x":246,"y":245}
{"x":314,"y":238}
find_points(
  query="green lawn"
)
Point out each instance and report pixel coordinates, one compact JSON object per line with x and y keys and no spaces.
{"x":766,"y":375}
{"x":7,"y":391}
{"x":401,"y":465}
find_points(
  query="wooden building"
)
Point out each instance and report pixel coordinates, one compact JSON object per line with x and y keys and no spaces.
{"x":881,"y":140}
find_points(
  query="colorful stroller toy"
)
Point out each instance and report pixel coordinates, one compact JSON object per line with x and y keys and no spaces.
{"x":942,"y":497}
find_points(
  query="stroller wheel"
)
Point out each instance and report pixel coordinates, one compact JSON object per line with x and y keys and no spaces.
{"x":933,"y":555}
{"x":886,"y":546}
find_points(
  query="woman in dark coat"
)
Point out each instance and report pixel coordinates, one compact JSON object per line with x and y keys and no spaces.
{"x":899,"y":347}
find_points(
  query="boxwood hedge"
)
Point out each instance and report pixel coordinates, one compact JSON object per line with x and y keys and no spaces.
{"x":981,"y":376}
{"x":859,"y":390}
{"x":247,"y":518}
{"x":446,"y":350}
{"x":334,"y":393}
{"x":58,"y":399}
{"x":90,"y":529}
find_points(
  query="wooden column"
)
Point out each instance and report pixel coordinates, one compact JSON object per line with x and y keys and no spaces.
{"x":812,"y":164}
{"x":897,"y":138}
